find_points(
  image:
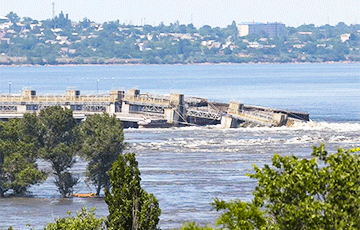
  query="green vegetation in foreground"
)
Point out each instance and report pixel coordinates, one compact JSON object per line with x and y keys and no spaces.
{"x":58,"y":144}
{"x":102,"y":142}
{"x":322,"y":192}
{"x":318,"y":193}
{"x":130,"y":206}
{"x":55,"y":137}
{"x":84,"y":220}
{"x":62,"y":41}
{"x":18,"y":155}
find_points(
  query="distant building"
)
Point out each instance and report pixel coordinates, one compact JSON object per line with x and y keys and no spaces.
{"x":345,"y":37}
{"x":3,"y":19}
{"x":305,"y":33}
{"x":275,"y":29}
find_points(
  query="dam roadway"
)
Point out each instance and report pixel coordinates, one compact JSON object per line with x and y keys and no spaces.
{"x":149,"y":110}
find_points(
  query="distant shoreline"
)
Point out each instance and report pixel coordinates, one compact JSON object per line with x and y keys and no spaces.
{"x":177,"y":64}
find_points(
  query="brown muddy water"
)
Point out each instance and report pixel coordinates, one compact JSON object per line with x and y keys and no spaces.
{"x":186,"y":168}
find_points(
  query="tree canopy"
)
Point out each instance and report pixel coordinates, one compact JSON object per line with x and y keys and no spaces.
{"x":54,"y":136}
{"x":102,"y":143}
{"x":130,"y":206}
{"x":318,"y":193}
{"x":322,"y":192}
{"x":84,"y":220}
{"x":18,"y":155}
{"x":59,"y":145}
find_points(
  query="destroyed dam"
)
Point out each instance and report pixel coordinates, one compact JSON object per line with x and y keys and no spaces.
{"x":148,"y":110}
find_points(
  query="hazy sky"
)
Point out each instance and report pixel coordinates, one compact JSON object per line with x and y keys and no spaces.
{"x":200,"y":12}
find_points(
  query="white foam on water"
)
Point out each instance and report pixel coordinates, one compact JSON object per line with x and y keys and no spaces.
{"x":343,"y":127}
{"x":310,"y":125}
{"x":343,"y":139}
{"x":236,"y":145}
{"x":205,"y":139}
{"x":304,"y":139}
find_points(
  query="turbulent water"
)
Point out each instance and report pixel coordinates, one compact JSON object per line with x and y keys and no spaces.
{"x":186,"y":168}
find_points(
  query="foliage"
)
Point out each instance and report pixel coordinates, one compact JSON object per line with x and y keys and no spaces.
{"x":239,"y":215}
{"x":84,"y":220}
{"x":194,"y":226}
{"x":18,"y":168}
{"x":322,"y":192}
{"x":102,"y":143}
{"x":130,"y":207}
{"x":13,"y":17}
{"x":302,"y":193}
{"x":54,"y":136}
{"x":59,"y":144}
{"x":21,"y":174}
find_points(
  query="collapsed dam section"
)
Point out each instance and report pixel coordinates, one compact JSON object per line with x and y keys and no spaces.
{"x":148,"y":110}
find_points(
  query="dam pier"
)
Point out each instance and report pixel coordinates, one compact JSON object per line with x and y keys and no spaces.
{"x":148,"y":110}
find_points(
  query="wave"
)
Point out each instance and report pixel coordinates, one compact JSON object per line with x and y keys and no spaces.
{"x":240,"y":145}
{"x":216,"y":139}
{"x":311,"y":125}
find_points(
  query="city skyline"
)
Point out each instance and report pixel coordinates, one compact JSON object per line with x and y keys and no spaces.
{"x":209,"y":12}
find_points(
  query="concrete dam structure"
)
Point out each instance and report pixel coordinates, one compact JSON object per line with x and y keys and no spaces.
{"x":148,"y":110}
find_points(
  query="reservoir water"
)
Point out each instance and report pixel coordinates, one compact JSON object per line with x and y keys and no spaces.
{"x":186,"y":168}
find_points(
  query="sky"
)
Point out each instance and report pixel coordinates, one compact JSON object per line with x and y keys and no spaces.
{"x":199,"y":12}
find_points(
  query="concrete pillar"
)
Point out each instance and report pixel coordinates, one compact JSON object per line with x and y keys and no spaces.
{"x":110,"y":109}
{"x":72,"y":94}
{"x":21,"y":109}
{"x":171,"y":116}
{"x":133,"y":93}
{"x":235,"y":107}
{"x":27,"y":94}
{"x":116,"y":95}
{"x":229,"y":122}
{"x":125,"y":108}
{"x":176,"y":99}
{"x":280,"y":118}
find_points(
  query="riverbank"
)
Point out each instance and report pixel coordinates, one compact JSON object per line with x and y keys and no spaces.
{"x":21,"y":62}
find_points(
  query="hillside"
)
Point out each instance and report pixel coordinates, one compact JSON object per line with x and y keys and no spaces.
{"x":62,"y":41}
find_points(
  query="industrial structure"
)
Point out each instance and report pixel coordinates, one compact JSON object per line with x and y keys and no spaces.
{"x":148,"y":110}
{"x":273,"y":30}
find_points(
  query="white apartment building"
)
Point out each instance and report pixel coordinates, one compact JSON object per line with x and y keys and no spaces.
{"x":272,"y":29}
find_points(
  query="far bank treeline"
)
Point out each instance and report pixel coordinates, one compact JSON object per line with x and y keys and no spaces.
{"x":54,"y":136}
{"x":62,"y":41}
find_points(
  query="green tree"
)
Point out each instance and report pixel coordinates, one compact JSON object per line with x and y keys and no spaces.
{"x":59,"y":143}
{"x":102,"y":143}
{"x":13,"y":17}
{"x":21,"y":173}
{"x":18,"y":155}
{"x":51,"y":60}
{"x":84,"y":220}
{"x":194,"y":226}
{"x":318,"y":193}
{"x":236,"y":215}
{"x":239,"y":215}
{"x":85,"y":23}
{"x":302,"y":193}
{"x":27,"y":20}
{"x":62,"y":21}
{"x":130,"y":206}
